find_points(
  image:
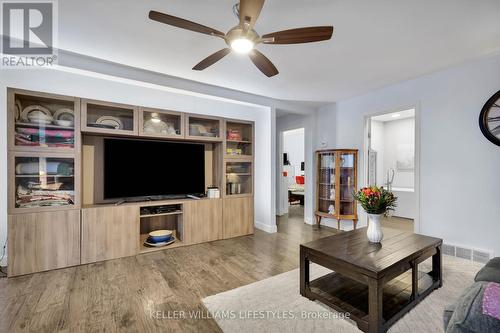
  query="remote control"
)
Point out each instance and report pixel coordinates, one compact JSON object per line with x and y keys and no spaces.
{"x":193,"y":197}
{"x":118,"y":203}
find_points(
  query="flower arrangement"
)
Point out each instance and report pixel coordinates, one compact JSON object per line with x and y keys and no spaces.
{"x":376,"y":200}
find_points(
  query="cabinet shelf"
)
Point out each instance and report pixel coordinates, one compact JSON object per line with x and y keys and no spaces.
{"x":49,"y":126}
{"x":147,"y":249}
{"x":239,"y":141}
{"x":162,"y":214}
{"x":44,"y":176}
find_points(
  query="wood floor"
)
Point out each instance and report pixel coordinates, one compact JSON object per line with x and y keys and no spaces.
{"x":398,"y":223}
{"x":138,"y":294}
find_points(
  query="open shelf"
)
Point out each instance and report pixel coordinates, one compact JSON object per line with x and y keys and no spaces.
{"x":161,"y":217}
{"x":146,"y":249}
{"x":351,"y":296}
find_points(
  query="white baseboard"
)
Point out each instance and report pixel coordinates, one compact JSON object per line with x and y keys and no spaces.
{"x":266,"y":227}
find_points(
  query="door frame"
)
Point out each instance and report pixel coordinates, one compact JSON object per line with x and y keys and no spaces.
{"x":366,"y":145}
{"x":282,"y":208}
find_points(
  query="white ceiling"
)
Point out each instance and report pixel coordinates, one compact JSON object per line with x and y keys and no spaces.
{"x":375,"y":42}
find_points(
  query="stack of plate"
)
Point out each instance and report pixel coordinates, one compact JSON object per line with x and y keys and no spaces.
{"x":160,"y":238}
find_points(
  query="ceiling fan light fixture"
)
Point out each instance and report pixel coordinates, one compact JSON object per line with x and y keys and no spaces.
{"x":242,"y":45}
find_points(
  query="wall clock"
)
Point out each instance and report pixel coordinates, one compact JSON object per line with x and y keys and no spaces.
{"x":489,"y":119}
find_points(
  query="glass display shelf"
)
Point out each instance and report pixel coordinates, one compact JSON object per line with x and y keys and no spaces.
{"x":44,"y":122}
{"x":239,"y":139}
{"x":161,"y":123}
{"x":238,"y":178}
{"x":204,"y":128}
{"x":44,"y":182}
{"x":108,"y":117}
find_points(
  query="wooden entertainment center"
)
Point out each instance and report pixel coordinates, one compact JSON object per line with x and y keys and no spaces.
{"x":57,"y":216}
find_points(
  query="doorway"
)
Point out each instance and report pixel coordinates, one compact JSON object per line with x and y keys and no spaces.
{"x":392,"y":162}
{"x":293,"y":173}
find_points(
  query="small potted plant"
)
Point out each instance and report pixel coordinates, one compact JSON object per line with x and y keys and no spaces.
{"x":376,"y":201}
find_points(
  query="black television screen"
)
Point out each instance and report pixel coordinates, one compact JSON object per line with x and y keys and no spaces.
{"x":134,"y":168}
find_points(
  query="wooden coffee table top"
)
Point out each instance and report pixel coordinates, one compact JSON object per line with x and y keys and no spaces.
{"x":353,"y":250}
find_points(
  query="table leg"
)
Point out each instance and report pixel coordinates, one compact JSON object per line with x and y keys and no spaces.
{"x":414,"y":280}
{"x":437,"y":266}
{"x":375,"y":304}
{"x":304,"y":273}
{"x":318,"y":221}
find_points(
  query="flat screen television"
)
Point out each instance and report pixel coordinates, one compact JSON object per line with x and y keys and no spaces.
{"x":138,"y":168}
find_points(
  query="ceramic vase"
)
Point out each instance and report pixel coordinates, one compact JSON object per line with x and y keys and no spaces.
{"x":374,"y":232}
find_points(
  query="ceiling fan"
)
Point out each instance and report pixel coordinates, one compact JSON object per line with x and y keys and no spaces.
{"x":243,"y":38}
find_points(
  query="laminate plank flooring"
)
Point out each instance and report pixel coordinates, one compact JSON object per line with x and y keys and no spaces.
{"x":146,"y":293}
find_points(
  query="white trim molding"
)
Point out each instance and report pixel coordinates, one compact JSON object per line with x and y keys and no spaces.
{"x":271,"y":229}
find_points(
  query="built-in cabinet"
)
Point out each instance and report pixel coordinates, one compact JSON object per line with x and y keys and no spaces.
{"x":203,"y":221}
{"x":161,"y":123}
{"x":238,"y":217}
{"x":109,"y":118}
{"x":43,"y":241}
{"x":51,"y":225}
{"x":109,"y":232}
{"x":204,"y":128}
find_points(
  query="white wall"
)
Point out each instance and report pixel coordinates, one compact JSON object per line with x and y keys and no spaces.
{"x":459,"y":176}
{"x":136,"y":93}
{"x":396,"y":133}
{"x":293,"y":145}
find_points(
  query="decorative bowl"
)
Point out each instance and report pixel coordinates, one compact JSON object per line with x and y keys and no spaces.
{"x":160,"y":235}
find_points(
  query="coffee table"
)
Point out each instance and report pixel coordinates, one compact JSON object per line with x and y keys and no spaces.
{"x":375,"y":283}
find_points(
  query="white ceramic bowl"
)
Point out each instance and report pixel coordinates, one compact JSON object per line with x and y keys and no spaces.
{"x":160,"y":235}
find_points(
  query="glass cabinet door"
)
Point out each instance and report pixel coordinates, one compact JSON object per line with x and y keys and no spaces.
{"x":106,"y":117}
{"x":203,"y":128}
{"x":44,"y":122}
{"x":347,"y":183}
{"x":161,"y":123}
{"x":238,"y":178}
{"x":238,"y":140}
{"x":44,"y":182}
{"x":326,"y":183}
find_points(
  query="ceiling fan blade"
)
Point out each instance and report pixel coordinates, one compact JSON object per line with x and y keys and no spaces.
{"x":212,"y":59}
{"x":263,"y":64}
{"x":300,"y":35}
{"x":183,"y":24}
{"x":250,"y":11}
